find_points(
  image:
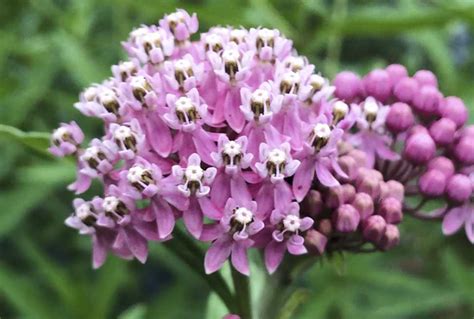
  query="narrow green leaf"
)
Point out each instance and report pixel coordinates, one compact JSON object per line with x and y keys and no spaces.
{"x":29,"y":302}
{"x":134,"y":312}
{"x":37,"y":141}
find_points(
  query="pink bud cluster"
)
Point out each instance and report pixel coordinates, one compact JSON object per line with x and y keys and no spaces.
{"x":437,"y":158}
{"x":243,"y":141}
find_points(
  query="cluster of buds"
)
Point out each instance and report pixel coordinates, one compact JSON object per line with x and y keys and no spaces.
{"x":363,"y":209}
{"x":243,"y":141}
{"x":437,"y":147}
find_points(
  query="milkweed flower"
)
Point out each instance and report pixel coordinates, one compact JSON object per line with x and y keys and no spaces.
{"x":242,"y":140}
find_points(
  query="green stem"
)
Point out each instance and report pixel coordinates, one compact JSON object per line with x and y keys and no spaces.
{"x":242,"y":294}
{"x":190,"y":253}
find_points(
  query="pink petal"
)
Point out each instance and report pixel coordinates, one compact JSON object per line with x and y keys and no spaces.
{"x":239,"y":189}
{"x":164,"y":217}
{"x":209,"y":209}
{"x":217,"y":254}
{"x":239,"y":259}
{"x":232,"y":112}
{"x":282,"y":194}
{"x":160,"y":136}
{"x":324,"y":175}
{"x":220,"y":190}
{"x":295,"y":245}
{"x":274,"y":253}
{"x":193,"y":219}
{"x":99,"y":252}
{"x":137,"y":244}
{"x":265,"y":200}
{"x":453,"y":220}
{"x":303,"y":179}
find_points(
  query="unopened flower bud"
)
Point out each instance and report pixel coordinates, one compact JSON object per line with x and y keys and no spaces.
{"x":349,"y":192}
{"x":315,"y":241}
{"x":374,"y":228}
{"x":400,"y":118}
{"x":425,"y":77}
{"x":467,"y":131}
{"x":344,"y":147}
{"x":369,"y":185}
{"x":312,"y":203}
{"x":364,"y":205}
{"x":347,"y":218}
{"x":390,"y":238}
{"x":348,"y":85}
{"x":325,"y":227}
{"x":396,"y":72}
{"x":406,"y":89}
{"x":459,"y":188}
{"x":419,"y":148}
{"x":455,"y":110}
{"x":417,"y":129}
{"x":396,"y":189}
{"x":442,"y":131}
{"x":442,"y":164}
{"x":377,"y":84}
{"x":428,"y":100}
{"x":359,"y":156}
{"x":349,"y":165}
{"x":432,"y":183}
{"x":391,"y":210}
{"x":464,"y":150}
{"x":335,"y":197}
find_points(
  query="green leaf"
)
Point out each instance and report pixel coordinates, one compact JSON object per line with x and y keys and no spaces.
{"x":37,"y":141}
{"x":134,"y":312}
{"x":80,"y":63}
{"x":29,"y":301}
{"x":215,"y":307}
{"x":112,"y":276}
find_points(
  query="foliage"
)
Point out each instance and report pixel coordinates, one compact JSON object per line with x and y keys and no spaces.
{"x":50,"y":49}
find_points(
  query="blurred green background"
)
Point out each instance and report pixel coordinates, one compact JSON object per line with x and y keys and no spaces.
{"x":51,"y":49}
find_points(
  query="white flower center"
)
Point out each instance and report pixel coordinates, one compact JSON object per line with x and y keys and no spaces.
{"x":184,"y":104}
{"x":316,"y":81}
{"x":243,"y":215}
{"x":91,"y":152}
{"x":110,"y":203}
{"x":260,"y":96}
{"x":230,"y":56}
{"x":175,"y":17}
{"x":122,"y":133}
{"x":266,"y":34}
{"x":127,"y":67}
{"x":135,"y":173}
{"x":291,"y":78}
{"x":139,"y":82}
{"x":140,"y":32}
{"x":322,"y":131}
{"x":182,"y":65}
{"x":232,"y":148}
{"x":292,"y":223}
{"x":107,"y":96}
{"x":153,"y":39}
{"x":277,"y":156}
{"x":340,"y":107}
{"x":371,"y":108}
{"x":90,"y":93}
{"x":84,"y":211}
{"x":194,"y":173}
{"x":237,"y":35}
{"x":295,"y":63}
{"x":213,"y":40}
{"x":60,"y":133}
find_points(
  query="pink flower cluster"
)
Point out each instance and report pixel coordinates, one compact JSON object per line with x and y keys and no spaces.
{"x":241,"y":139}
